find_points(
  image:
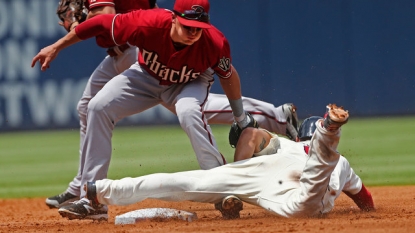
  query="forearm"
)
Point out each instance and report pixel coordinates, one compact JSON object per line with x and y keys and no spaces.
{"x":232,"y":88}
{"x":247,"y":144}
{"x":66,"y":41}
{"x":316,"y":175}
{"x":251,"y":142}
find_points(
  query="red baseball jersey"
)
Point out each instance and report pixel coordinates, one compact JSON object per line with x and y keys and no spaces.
{"x":149,"y":30}
{"x":120,"y":6}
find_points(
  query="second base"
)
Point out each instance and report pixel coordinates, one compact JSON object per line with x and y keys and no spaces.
{"x":135,"y":216}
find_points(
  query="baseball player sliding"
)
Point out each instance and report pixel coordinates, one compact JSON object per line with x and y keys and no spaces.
{"x":177,"y":48}
{"x":299,"y":179}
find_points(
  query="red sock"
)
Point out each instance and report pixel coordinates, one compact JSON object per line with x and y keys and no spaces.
{"x":363,"y":199}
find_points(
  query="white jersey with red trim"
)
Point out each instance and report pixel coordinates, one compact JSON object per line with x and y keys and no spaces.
{"x":289,"y":183}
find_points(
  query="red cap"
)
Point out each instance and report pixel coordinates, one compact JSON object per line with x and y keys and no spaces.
{"x":193,"y":13}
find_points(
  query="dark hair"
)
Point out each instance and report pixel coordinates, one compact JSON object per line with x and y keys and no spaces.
{"x":152,"y":3}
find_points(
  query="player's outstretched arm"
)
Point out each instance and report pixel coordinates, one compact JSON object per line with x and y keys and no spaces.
{"x":252,"y":140}
{"x":232,"y":88}
{"x":49,"y":53}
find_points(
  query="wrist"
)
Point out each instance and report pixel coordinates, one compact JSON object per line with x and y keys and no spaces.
{"x":237,"y":109}
{"x":240,"y":118}
{"x":243,"y":121}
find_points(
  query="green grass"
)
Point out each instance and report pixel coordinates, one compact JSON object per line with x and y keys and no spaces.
{"x":381,"y":150}
{"x":40,"y":164}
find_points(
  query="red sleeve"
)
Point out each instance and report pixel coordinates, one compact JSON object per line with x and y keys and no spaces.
{"x":128,"y":27}
{"x":100,"y":27}
{"x":223,"y":68}
{"x":118,"y":29}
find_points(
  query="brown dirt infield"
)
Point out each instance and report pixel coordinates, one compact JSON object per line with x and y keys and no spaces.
{"x":395,"y":213}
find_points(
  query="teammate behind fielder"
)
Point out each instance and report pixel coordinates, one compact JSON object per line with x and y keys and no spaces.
{"x":300,"y":179}
{"x":177,"y":50}
{"x":119,"y":58}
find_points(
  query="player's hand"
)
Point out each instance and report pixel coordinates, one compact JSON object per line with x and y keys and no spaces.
{"x":248,"y":121}
{"x":45,"y":57}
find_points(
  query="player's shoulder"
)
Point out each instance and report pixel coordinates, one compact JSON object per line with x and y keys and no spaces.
{"x":284,"y":140}
{"x":160,"y":18}
{"x":292,"y":147}
{"x":270,"y":133}
{"x":214,"y":36}
{"x":150,"y":18}
{"x":214,"y":31}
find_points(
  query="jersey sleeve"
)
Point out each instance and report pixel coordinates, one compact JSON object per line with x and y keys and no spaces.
{"x":109,"y":29}
{"x":223,"y":68}
{"x":125,"y":27}
{"x":100,"y":27}
{"x":119,"y":29}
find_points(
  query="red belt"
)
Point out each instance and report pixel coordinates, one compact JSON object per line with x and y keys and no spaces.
{"x":118,"y":50}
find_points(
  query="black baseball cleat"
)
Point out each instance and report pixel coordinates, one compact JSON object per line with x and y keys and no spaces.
{"x":335,"y":117}
{"x":61,"y":200}
{"x":230,"y":207}
{"x":91,"y":193}
{"x":82,"y":209}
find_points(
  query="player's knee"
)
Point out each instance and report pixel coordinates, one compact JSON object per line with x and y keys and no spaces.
{"x":95,"y":105}
{"x":186,"y":111}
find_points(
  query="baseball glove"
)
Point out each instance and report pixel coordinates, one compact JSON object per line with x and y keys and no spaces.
{"x":236,"y":131}
{"x":71,"y":11}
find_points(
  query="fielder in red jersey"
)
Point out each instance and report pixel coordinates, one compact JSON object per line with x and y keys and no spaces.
{"x":152,"y":32}
{"x":180,"y":51}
